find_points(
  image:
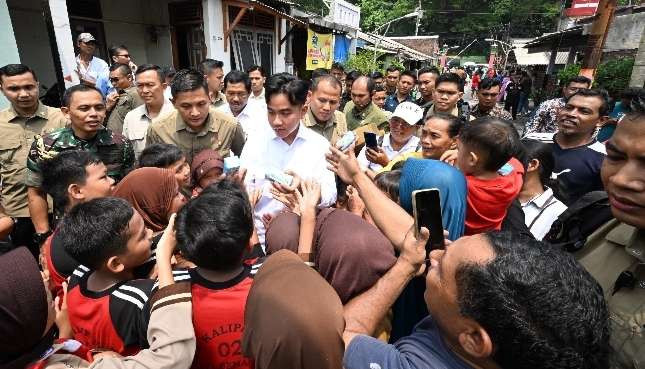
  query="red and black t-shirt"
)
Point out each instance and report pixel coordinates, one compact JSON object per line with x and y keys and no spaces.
{"x":114,"y":319}
{"x":218,"y":318}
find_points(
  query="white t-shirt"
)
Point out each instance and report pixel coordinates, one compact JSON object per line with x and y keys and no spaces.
{"x":409,"y":146}
{"x":541,"y":211}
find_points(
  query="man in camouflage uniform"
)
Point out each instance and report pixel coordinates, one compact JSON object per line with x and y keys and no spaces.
{"x":489,"y":89}
{"x":125,"y":99}
{"x":85,"y":109}
{"x":24,"y":119}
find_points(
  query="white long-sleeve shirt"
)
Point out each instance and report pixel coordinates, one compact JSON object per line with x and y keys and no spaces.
{"x":305,"y":157}
{"x":410,"y":146}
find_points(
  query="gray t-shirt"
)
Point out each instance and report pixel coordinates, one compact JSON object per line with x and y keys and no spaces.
{"x":423,"y":349}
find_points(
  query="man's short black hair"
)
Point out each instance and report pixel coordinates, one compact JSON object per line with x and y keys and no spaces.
{"x":295,"y":89}
{"x":376,"y":75}
{"x":318,"y":72}
{"x":213,"y":229}
{"x":496,"y":139}
{"x":169,"y":72}
{"x":208,"y":65}
{"x":431,"y":70}
{"x":369,"y":82}
{"x":236,"y":76}
{"x":540,"y":307}
{"x":542,"y":152}
{"x":392,"y":68}
{"x":338,"y":66}
{"x":149,"y":67}
{"x":114,"y":49}
{"x":353,"y":75}
{"x":67,"y":95}
{"x":63,"y":170}
{"x":160,"y":155}
{"x":379,"y":88}
{"x":187,"y":80}
{"x":451,"y":78}
{"x":410,"y":74}
{"x":122,"y":68}
{"x":94,"y":231}
{"x":455,"y":124}
{"x":11,"y":70}
{"x":580,"y":79}
{"x":333,"y":81}
{"x":637,"y":105}
{"x":598,"y":93}
{"x":488,"y":83}
{"x":257,"y":68}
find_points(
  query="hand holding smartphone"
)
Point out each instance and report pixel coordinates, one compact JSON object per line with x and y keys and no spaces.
{"x":370,"y":140}
{"x":426,"y":207}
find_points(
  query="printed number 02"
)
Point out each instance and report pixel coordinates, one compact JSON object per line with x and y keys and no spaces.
{"x":225,"y":348}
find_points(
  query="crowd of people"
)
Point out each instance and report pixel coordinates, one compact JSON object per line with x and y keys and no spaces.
{"x":202,"y":219}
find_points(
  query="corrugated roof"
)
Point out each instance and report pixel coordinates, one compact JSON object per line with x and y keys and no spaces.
{"x":523,"y":56}
{"x":391,"y":45}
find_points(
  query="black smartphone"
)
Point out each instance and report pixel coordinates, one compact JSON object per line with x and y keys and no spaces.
{"x":465,"y":110}
{"x":426,"y":207}
{"x":370,"y":140}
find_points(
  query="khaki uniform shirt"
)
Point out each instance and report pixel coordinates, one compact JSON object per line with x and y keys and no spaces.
{"x":333,"y":130}
{"x":617,"y":247}
{"x":370,"y":115}
{"x":218,"y":100}
{"x":220,"y":133}
{"x":16,"y":137}
{"x":127,"y":102}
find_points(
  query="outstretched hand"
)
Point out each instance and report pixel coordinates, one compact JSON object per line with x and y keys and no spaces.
{"x":344,"y":164}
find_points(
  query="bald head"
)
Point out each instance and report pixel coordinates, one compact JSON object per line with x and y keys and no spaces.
{"x":362,"y":91}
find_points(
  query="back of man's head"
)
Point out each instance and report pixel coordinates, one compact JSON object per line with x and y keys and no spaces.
{"x":495,"y":140}
{"x":94,"y":231}
{"x":187,"y":80}
{"x":214,"y":229}
{"x":63,"y":170}
{"x":540,"y":307}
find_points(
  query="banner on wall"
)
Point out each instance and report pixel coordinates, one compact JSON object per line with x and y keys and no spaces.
{"x":320,"y":50}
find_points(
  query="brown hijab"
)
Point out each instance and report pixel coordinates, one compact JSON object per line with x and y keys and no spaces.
{"x":150,"y":191}
{"x":349,"y":253}
{"x":293,"y":318}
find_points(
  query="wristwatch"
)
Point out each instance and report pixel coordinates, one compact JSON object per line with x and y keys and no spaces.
{"x":39,"y":238}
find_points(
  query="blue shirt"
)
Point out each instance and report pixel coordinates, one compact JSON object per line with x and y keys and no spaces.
{"x":578,"y":170}
{"x":424,"y":348}
{"x":391,"y":102}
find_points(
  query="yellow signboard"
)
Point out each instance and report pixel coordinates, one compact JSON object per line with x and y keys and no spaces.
{"x":320,"y":50}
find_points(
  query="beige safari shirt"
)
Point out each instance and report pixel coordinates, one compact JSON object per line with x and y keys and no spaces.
{"x":614,"y":248}
{"x":333,"y":129}
{"x":218,"y":100}
{"x":220,"y":133}
{"x":126,"y":103}
{"x":16,"y":136}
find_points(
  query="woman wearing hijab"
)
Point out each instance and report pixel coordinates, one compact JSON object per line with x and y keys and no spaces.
{"x":349,"y":253}
{"x":155,"y":195}
{"x":419,"y":174}
{"x":293,"y":318}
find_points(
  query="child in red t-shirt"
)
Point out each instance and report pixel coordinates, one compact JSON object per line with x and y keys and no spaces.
{"x":494,"y":177}
{"x":213,"y":231}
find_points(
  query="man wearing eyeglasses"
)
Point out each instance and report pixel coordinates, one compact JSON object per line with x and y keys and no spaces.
{"x":237,"y":89}
{"x":489,"y":89}
{"x":122,"y":99}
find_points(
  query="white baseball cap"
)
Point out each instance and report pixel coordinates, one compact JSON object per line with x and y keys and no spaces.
{"x":85,"y":37}
{"x":410,"y":112}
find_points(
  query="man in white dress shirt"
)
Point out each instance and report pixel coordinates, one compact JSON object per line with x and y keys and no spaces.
{"x":400,"y":139}
{"x":258,"y":78}
{"x":237,"y":89}
{"x":150,"y":85}
{"x":287,"y":146}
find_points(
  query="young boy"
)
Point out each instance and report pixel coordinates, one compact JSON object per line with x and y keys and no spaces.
{"x":105,"y":305}
{"x":214,"y":231}
{"x":485,"y":156}
{"x":167,"y":156}
{"x":70,"y":178}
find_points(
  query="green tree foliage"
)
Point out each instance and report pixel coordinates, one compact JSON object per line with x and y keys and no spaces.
{"x":363,"y":61}
{"x":568,"y":72}
{"x":614,"y":75}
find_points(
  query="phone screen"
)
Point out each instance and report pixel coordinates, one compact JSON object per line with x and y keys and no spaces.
{"x":426,"y":205}
{"x":370,"y":140}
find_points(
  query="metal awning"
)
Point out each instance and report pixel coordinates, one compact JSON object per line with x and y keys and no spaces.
{"x":562,"y":40}
{"x":393,"y":46}
{"x":524,"y":57}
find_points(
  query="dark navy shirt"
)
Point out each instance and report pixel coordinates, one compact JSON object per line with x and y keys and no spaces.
{"x":578,"y":170}
{"x":391,"y":102}
{"x":424,"y":348}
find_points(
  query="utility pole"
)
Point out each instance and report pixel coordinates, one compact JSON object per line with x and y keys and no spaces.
{"x":638,"y":72}
{"x":597,"y":36}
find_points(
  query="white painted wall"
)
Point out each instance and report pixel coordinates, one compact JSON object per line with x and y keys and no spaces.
{"x":214,"y":33}
{"x":280,"y":61}
{"x":9,"y":54}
